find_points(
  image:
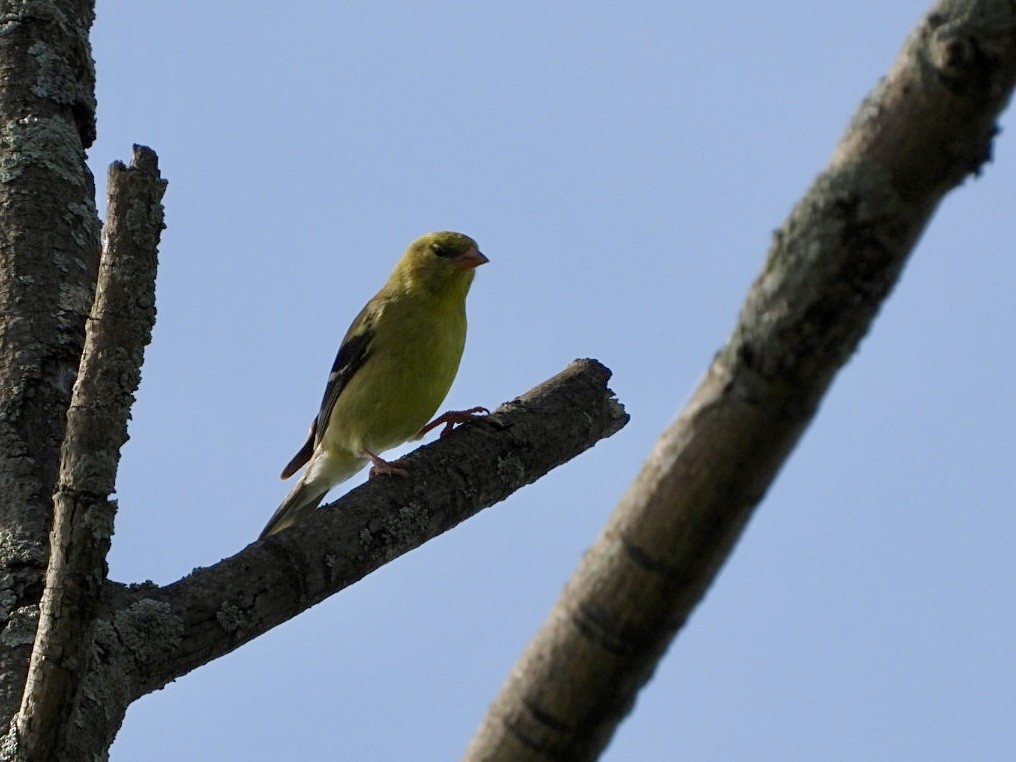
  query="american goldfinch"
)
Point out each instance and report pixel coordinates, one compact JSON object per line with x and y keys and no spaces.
{"x":393,"y":369}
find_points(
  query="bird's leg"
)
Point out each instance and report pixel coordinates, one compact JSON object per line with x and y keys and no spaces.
{"x":382,"y":466}
{"x":451,"y":419}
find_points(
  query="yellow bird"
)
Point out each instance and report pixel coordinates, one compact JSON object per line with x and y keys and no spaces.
{"x":393,"y":370}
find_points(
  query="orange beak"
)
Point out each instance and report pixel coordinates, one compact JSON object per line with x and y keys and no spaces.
{"x":472,"y":258}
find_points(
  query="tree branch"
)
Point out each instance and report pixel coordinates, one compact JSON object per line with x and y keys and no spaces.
{"x":919,"y":133}
{"x":152,"y":635}
{"x":118,"y":330}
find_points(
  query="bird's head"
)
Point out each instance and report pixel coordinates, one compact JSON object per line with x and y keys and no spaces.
{"x":441,"y":261}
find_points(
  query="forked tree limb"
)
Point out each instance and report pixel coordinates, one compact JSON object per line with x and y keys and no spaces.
{"x":150,"y":635}
{"x":926,"y":127}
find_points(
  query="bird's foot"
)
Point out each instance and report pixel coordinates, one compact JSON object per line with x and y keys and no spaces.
{"x":382,"y":466}
{"x":451,"y":419}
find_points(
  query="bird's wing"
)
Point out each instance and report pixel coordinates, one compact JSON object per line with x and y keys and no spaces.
{"x":301,"y":458}
{"x":352,"y":354}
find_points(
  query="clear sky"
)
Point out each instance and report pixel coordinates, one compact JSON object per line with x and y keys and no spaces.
{"x":624,"y":166}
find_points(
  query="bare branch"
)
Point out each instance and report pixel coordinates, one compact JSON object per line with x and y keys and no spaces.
{"x":154,"y":635}
{"x":924,"y":128}
{"x":117,"y":332}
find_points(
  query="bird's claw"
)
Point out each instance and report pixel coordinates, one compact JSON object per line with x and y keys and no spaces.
{"x":453,"y":418}
{"x":381,"y":466}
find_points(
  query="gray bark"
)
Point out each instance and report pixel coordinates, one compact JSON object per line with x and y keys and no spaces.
{"x":119,"y":328}
{"x":148,"y":635}
{"x":49,"y":250}
{"x":927,"y":126}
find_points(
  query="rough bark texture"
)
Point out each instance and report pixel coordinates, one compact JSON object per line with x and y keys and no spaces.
{"x":148,"y":635}
{"x":926,"y":126}
{"x":102,"y":645}
{"x":119,"y":328}
{"x":49,"y":250}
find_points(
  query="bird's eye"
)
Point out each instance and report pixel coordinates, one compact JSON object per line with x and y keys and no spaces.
{"x":443,"y":250}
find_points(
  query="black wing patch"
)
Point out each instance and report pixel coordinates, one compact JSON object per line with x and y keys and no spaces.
{"x":350,"y":358}
{"x":352,"y":354}
{"x":300,"y":459}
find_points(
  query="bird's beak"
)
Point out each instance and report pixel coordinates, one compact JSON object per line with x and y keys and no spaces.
{"x":472,"y":258}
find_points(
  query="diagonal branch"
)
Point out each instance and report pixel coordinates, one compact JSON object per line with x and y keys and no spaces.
{"x":152,"y":635}
{"x":925,"y":127}
{"x":117,"y":332}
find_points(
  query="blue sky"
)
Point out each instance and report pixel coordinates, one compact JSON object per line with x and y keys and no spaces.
{"x":624,"y":167}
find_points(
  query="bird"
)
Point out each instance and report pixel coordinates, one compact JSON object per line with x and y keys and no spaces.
{"x":393,"y":370}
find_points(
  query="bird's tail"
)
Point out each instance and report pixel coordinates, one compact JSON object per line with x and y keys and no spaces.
{"x":301,"y":501}
{"x":324,"y":471}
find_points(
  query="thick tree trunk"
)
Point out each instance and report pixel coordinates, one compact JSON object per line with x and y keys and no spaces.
{"x":49,"y":250}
